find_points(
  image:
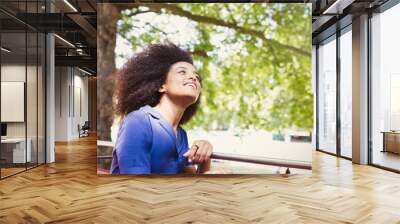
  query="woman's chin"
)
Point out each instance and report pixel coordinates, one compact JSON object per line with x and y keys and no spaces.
{"x":189,"y":99}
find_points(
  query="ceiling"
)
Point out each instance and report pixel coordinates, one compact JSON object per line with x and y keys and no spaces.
{"x":74,"y":22}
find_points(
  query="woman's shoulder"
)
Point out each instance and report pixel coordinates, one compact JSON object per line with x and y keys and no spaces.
{"x":136,"y":117}
{"x":135,"y":123}
{"x":136,"y":114}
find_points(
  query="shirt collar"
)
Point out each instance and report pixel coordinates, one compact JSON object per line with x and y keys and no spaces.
{"x":154,"y":113}
{"x":150,"y":110}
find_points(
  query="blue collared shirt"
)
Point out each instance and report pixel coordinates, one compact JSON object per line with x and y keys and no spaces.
{"x":147,"y":144}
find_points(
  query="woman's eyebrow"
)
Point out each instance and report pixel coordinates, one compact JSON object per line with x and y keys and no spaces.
{"x":186,"y":69}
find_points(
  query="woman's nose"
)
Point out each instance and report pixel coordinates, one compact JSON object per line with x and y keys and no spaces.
{"x":193,"y":77}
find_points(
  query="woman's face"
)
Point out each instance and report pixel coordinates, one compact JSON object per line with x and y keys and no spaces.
{"x":182,"y":83}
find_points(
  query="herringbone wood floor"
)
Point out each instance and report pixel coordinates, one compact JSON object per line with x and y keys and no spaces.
{"x":69,"y":191}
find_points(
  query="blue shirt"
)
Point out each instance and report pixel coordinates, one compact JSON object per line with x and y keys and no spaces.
{"x":147,"y":144}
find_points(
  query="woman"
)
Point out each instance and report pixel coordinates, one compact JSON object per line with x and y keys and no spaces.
{"x":158,"y":90}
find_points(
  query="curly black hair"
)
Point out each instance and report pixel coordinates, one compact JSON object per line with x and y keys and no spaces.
{"x":143,"y":75}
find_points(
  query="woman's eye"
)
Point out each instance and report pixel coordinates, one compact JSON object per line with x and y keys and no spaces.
{"x":182,"y":72}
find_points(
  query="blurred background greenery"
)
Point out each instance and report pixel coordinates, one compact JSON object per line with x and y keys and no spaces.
{"x":255,"y":59}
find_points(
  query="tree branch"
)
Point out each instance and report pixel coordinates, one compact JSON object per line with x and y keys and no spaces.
{"x":176,"y":10}
{"x":137,"y":13}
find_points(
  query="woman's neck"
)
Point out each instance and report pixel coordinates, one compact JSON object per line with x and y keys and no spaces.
{"x":171,"y":111}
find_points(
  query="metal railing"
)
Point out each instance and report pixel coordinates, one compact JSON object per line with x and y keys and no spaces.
{"x":238,"y":158}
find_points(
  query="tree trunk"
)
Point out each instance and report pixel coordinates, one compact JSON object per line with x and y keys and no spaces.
{"x":106,"y":40}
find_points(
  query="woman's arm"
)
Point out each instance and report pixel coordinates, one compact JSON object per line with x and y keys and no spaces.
{"x":134,"y":145}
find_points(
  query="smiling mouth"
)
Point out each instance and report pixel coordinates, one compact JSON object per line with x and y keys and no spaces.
{"x":191,"y":85}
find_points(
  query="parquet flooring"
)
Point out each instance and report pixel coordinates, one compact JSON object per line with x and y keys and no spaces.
{"x":69,"y":191}
{"x":12,"y":170}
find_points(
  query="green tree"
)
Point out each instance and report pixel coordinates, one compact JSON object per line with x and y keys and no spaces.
{"x":255,"y":59}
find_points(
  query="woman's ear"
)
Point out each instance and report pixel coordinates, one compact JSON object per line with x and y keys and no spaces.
{"x":162,"y":89}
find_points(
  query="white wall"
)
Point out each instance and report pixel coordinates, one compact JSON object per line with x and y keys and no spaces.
{"x":61,"y":103}
{"x":71,"y":93}
{"x":16,"y":73}
{"x":33,"y":126}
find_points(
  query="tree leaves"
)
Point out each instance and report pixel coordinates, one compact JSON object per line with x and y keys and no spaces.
{"x":248,"y":80}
